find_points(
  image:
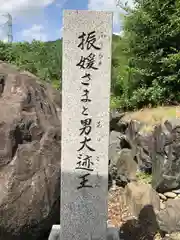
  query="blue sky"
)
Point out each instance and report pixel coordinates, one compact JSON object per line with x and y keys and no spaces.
{"x":42,"y":19}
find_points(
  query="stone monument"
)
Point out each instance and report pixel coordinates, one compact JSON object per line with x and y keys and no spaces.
{"x":87,"y":37}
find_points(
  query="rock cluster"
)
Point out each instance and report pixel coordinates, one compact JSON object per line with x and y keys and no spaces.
{"x":168,"y":195}
{"x":30,"y":152}
{"x":156,"y":152}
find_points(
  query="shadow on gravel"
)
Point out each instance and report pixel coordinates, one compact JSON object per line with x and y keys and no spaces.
{"x":145,"y":228}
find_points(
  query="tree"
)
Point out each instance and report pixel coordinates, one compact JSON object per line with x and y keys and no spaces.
{"x":153,"y":33}
{"x":40,"y":58}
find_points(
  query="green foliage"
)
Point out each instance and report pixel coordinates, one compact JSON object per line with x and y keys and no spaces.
{"x":147,"y":71}
{"x":144,"y":177}
{"x":39,"y":58}
{"x":145,"y":58}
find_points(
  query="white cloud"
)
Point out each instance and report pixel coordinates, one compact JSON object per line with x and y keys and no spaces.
{"x":16,"y":7}
{"x":61,"y":3}
{"x":106,"y":5}
{"x":36,"y":32}
{"x":109,"y":5}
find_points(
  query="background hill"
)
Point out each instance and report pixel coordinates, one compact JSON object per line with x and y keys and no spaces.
{"x":43,"y":59}
{"x":145,"y":59}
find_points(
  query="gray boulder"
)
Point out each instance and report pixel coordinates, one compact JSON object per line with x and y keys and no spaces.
{"x":166,"y":156}
{"x":169,"y":218}
{"x":123,"y":167}
{"x":30,"y":144}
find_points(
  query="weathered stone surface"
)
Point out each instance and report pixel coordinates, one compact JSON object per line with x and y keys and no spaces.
{"x":128,"y":136}
{"x":111,"y":234}
{"x":166,"y":156}
{"x":124,"y":165}
{"x":139,"y":195}
{"x":157,"y":151}
{"x":115,"y":122}
{"x":140,"y":144}
{"x":169,"y":218}
{"x":114,"y":144}
{"x":30,"y":143}
{"x":143,"y":152}
{"x":85,"y":124}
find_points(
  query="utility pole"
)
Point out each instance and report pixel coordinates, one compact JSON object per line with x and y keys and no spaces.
{"x":9,"y":33}
{"x":7,"y":25}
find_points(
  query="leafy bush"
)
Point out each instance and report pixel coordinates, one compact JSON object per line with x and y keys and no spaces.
{"x":146,"y":59}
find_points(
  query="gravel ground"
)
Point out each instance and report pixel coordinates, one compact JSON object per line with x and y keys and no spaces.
{"x":119,"y":216}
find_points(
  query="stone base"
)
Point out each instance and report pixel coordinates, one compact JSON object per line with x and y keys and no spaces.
{"x":112,"y":233}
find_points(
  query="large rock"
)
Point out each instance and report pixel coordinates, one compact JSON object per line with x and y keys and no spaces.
{"x":139,"y":195}
{"x":139,"y":144}
{"x":143,"y":203}
{"x":166,"y":156}
{"x":117,"y":133}
{"x":169,"y":218}
{"x":115,"y":122}
{"x":157,"y":151}
{"x":143,"y":152}
{"x":30,"y":143}
{"x":114,"y":144}
{"x":125,"y":167}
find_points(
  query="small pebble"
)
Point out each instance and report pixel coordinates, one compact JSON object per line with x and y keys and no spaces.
{"x":176,"y":191}
{"x":170,"y":194}
{"x":162,"y":205}
{"x":162,"y":196}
